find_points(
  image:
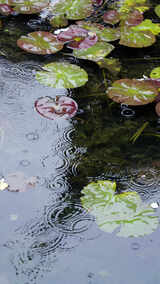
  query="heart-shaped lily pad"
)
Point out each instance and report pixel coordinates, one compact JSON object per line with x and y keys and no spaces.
{"x":40,"y":43}
{"x":104,"y":34}
{"x":94,"y":53}
{"x":29,"y":6}
{"x":59,"y":107}
{"x":72,"y":9}
{"x":62,"y":75}
{"x":137,"y":39}
{"x":77,"y":37}
{"x":124,"y":211}
{"x":111,"y":17}
{"x":132,"y":92}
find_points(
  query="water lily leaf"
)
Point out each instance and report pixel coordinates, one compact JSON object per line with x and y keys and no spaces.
{"x":58,"y":21}
{"x":94,"y":53}
{"x":124,"y":211}
{"x":132,"y":92}
{"x":104,"y":34}
{"x":59,"y":107}
{"x":8,"y":2}
{"x":132,"y":19}
{"x":157,"y":10}
{"x":157,"y":108}
{"x":126,"y":6}
{"x":29,"y":6}
{"x":137,"y":39}
{"x":111,"y":17}
{"x":5,"y":10}
{"x":73,"y":9}
{"x":111,"y":64}
{"x":147,"y":25}
{"x":155,"y":73}
{"x":62,"y":75}
{"x":77,"y":37}
{"x":40,"y":43}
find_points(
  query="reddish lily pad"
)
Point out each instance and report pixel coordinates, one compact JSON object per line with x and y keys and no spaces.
{"x":29,"y":6}
{"x":97,"y":2}
{"x":104,"y":34}
{"x":5,"y":9}
{"x":137,"y":39}
{"x":77,"y":37}
{"x":111,"y":17}
{"x":59,"y":107}
{"x":40,"y":43}
{"x":132,"y":92}
{"x":134,"y":18}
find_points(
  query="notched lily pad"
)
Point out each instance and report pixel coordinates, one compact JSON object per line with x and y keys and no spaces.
{"x":94,"y":53}
{"x":124,"y":211}
{"x":132,"y":92}
{"x":40,"y":43}
{"x":62,"y":75}
{"x":59,"y":107}
{"x":138,"y":39}
{"x":29,"y":6}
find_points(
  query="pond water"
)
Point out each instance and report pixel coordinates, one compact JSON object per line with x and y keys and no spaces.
{"x":46,"y":236}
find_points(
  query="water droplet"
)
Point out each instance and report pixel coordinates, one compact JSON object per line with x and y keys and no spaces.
{"x":32,"y":136}
{"x":135,"y":246}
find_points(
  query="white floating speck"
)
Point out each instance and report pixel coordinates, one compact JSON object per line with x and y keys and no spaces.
{"x":154,"y":205}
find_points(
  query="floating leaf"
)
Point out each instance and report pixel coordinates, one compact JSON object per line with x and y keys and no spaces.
{"x":18,"y":182}
{"x":5,"y":9}
{"x":155,"y":73}
{"x":137,"y":39}
{"x":77,"y":37}
{"x":29,"y":6}
{"x":3,"y":184}
{"x":124,"y":211}
{"x":111,"y":17}
{"x":72,"y":9}
{"x":58,"y":21}
{"x":157,"y":10}
{"x":59,"y":107}
{"x":111,"y":64}
{"x":94,"y":53}
{"x":40,"y":43}
{"x":132,"y":92}
{"x":157,"y":108}
{"x":62,"y":75}
{"x":104,"y":34}
{"x":147,"y":25}
{"x":132,"y":19}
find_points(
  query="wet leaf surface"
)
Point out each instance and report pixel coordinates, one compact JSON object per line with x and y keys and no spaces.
{"x":59,"y":107}
{"x":124,"y":211}
{"x":29,"y":6}
{"x":62,"y":75}
{"x":132,"y":92}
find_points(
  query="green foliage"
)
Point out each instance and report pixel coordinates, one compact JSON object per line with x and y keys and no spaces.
{"x":124,"y":211}
{"x":155,"y":73}
{"x":147,"y":25}
{"x":157,"y":10}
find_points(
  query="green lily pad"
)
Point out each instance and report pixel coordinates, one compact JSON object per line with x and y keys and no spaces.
{"x":132,"y":92}
{"x":29,"y":6}
{"x":40,"y":43}
{"x":157,"y":10}
{"x":62,"y":75}
{"x":124,"y":211}
{"x":155,"y":73}
{"x":104,"y":34}
{"x":58,"y":21}
{"x":73,"y":9}
{"x":94,"y":53}
{"x":8,"y":2}
{"x":138,"y":39}
{"x":147,"y":25}
{"x":111,"y":64}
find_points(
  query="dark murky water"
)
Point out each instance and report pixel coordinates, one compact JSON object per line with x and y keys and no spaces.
{"x":46,"y":235}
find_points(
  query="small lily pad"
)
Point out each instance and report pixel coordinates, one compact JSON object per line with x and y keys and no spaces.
{"x":62,"y":75}
{"x":94,"y":53}
{"x":137,"y":39}
{"x":132,"y":92}
{"x":155,"y":73}
{"x":124,"y":211}
{"x":59,"y":107}
{"x":58,"y":21}
{"x":29,"y":6}
{"x":157,"y":10}
{"x":40,"y":43}
{"x":104,"y":34}
{"x":111,"y":17}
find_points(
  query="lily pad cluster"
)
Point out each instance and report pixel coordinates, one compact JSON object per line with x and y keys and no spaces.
{"x":124,"y":212}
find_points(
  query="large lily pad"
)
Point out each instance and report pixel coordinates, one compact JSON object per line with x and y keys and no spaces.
{"x":132,"y":92}
{"x":104,"y":34}
{"x":124,"y":211}
{"x":29,"y":6}
{"x":94,"y":53}
{"x":62,"y":75}
{"x":59,"y":107}
{"x":40,"y":43}
{"x":138,"y":39}
{"x":73,"y":9}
